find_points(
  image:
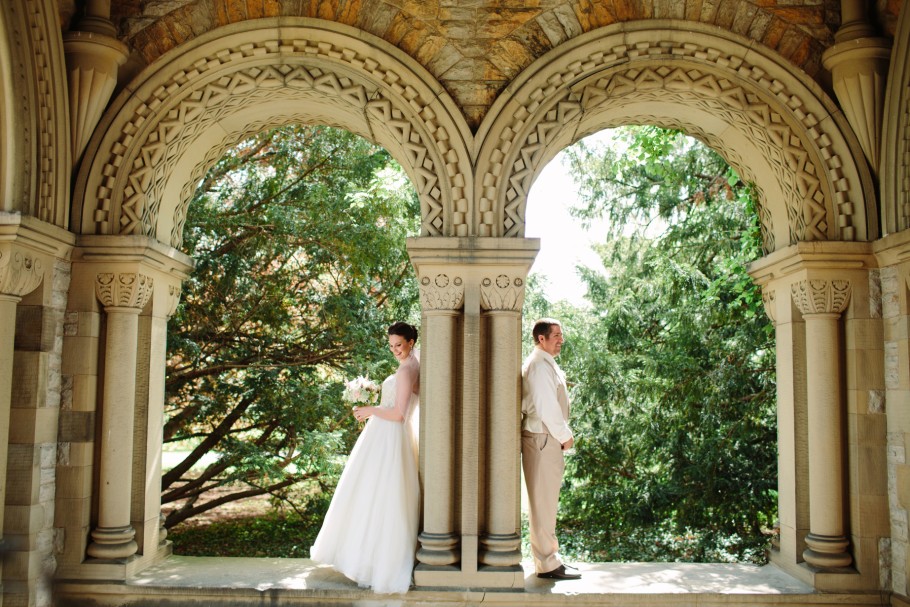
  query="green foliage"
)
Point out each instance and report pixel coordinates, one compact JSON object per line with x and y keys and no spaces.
{"x":273,"y":535}
{"x":674,"y":399}
{"x":298,"y":235}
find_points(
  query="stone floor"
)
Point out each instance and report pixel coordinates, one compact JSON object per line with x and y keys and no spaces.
{"x":186,"y":581}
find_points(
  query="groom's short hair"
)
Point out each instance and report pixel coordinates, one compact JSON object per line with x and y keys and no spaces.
{"x":542,"y":328}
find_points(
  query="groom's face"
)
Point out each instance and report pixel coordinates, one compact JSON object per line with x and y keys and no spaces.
{"x":552,"y":343}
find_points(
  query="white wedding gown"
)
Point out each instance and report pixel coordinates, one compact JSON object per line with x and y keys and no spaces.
{"x":370,"y":530}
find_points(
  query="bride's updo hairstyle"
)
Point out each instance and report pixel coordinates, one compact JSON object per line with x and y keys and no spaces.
{"x":409,"y":332}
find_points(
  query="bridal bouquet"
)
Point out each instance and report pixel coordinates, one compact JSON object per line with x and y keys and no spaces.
{"x":360,"y":390}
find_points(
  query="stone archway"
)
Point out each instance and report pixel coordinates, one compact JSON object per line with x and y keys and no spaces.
{"x":140,"y":171}
{"x":160,"y":138}
{"x":894,"y":172}
{"x":777,"y":129}
{"x":818,"y":215}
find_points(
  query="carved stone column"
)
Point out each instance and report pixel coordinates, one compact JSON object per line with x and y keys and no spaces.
{"x":20,"y":274}
{"x":471,"y":290}
{"x":441,"y":296}
{"x":858,"y":62}
{"x":123,"y":296}
{"x":821,"y":302}
{"x":501,"y":298}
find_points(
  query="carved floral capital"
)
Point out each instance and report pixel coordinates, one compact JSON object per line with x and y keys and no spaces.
{"x":821,"y":296}
{"x":769,"y":299}
{"x":502,"y":293}
{"x":441,"y":292}
{"x":173,"y":298}
{"x":123,"y":289}
{"x":20,"y":273}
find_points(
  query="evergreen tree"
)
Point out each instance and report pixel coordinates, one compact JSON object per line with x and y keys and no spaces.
{"x":673,"y":365}
{"x":298,"y":235}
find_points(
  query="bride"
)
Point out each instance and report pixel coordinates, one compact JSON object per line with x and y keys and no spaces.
{"x":370,"y":530}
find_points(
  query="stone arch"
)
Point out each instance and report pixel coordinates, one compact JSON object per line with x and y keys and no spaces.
{"x":35,"y":158}
{"x":161,"y":136}
{"x":777,"y":129}
{"x":895,"y":170}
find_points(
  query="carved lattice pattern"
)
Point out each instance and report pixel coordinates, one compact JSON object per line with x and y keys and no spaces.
{"x":545,"y":114}
{"x":154,"y":139}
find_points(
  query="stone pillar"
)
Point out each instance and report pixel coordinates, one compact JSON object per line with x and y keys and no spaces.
{"x":825,"y":300}
{"x":792,"y":455}
{"x":123,"y":296}
{"x":148,"y":429}
{"x":471,"y":294}
{"x":19,"y":275}
{"x":502,"y":298}
{"x":441,"y":297}
{"x":821,"y":302}
{"x":858,"y":62}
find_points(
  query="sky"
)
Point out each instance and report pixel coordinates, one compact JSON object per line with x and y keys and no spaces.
{"x":564,"y":243}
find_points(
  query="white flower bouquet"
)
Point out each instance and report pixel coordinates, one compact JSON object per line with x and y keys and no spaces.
{"x":360,"y":390}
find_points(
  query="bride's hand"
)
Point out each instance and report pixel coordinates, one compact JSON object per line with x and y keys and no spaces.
{"x":361,"y":413}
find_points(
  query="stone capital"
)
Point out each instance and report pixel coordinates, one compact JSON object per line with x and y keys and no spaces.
{"x":769,"y":299}
{"x":821,"y":296}
{"x":502,"y":292}
{"x":123,"y":289}
{"x":20,"y":272}
{"x":173,"y":299}
{"x":441,"y":291}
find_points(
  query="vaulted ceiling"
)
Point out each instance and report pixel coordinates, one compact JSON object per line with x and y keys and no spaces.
{"x":476,"y":47}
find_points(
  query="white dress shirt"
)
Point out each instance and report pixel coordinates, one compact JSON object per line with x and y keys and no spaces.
{"x":545,"y":396}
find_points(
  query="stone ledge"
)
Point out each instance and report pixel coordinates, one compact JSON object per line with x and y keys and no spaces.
{"x":248,"y":581}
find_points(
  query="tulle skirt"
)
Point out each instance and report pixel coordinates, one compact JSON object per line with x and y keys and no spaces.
{"x":370,"y":530}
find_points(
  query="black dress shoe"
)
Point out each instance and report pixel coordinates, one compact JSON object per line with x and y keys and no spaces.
{"x":559,"y":573}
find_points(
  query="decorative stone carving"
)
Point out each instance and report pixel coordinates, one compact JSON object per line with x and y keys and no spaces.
{"x":769,"y":299}
{"x":123,"y":289}
{"x":35,"y":173}
{"x":441,"y":292}
{"x":859,"y":70}
{"x":858,"y":62}
{"x":816,"y":296}
{"x":173,"y":299}
{"x":895,"y":163}
{"x":502,"y":293}
{"x":822,"y":193}
{"x":92,"y":62}
{"x":20,"y":273}
{"x":171,"y":117}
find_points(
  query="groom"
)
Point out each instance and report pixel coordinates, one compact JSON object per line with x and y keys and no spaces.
{"x":545,"y":436}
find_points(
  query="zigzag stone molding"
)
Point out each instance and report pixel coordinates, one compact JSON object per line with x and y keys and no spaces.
{"x":791,"y":138}
{"x":137,"y":166}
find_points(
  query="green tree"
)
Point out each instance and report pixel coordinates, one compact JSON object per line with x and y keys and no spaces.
{"x":674,"y":402}
{"x":298,"y":236}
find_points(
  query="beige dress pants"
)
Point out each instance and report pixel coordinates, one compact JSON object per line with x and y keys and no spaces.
{"x":544,"y":463}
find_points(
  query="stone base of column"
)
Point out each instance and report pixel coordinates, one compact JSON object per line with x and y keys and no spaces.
{"x":827,"y":552}
{"x":113,"y":543}
{"x":437,"y":549}
{"x":500,"y":550}
{"x":427,"y":577}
